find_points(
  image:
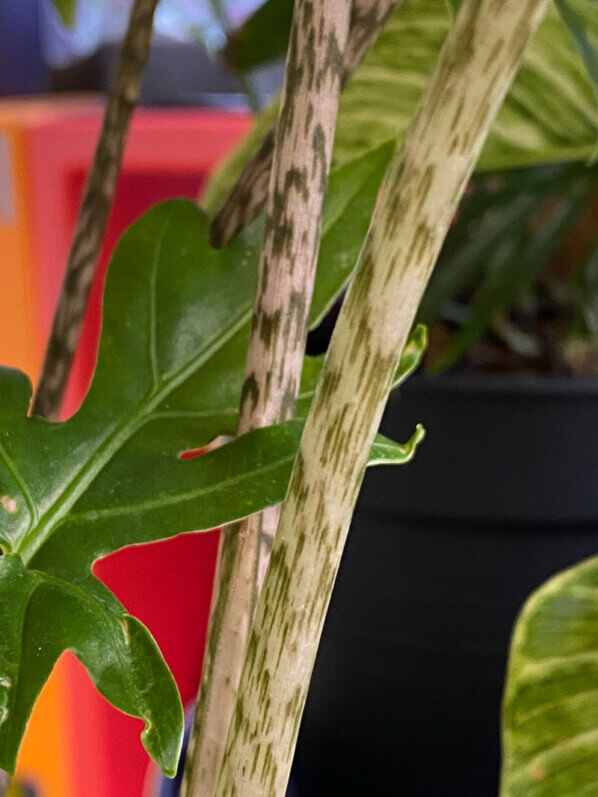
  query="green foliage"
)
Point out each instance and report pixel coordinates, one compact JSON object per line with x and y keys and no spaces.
{"x":550,"y":113}
{"x":263,"y":37}
{"x":584,"y":43}
{"x":507,"y":231}
{"x":168,"y":379}
{"x":550,"y":716}
{"x":453,"y":7}
{"x":67,"y":10}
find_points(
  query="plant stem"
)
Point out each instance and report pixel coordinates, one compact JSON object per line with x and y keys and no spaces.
{"x":298,"y":182}
{"x":94,"y":212}
{"x":422,"y":191}
{"x":248,"y":196}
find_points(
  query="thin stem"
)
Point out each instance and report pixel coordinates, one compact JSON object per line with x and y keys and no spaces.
{"x":94,"y":212}
{"x":298,"y":182}
{"x":248,"y":197}
{"x":421,"y":193}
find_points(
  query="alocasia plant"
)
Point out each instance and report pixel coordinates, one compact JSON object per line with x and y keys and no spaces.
{"x":168,"y":379}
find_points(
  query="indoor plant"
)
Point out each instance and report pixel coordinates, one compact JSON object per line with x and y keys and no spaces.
{"x":459,"y":513}
{"x":166,"y":365}
{"x":500,"y":498}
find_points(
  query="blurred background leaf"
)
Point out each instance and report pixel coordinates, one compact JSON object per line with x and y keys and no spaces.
{"x":499,"y":278}
{"x":550,"y":711}
{"x":577,"y":28}
{"x":550,"y":115}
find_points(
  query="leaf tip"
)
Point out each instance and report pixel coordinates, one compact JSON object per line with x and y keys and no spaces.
{"x":412,"y":354}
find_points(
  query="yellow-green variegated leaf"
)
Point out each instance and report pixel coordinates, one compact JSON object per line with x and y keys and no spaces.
{"x":550,"y":712}
{"x":550,"y":115}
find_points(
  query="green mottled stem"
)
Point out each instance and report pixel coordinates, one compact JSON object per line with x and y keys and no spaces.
{"x":298,"y":182}
{"x":422,"y":191}
{"x":94,"y":212}
{"x":248,"y":196}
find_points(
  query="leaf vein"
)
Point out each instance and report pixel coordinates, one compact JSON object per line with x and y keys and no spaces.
{"x":21,"y":484}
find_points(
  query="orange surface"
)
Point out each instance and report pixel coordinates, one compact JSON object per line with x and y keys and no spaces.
{"x":20,"y":332}
{"x":44,"y":759}
{"x":18,"y":346}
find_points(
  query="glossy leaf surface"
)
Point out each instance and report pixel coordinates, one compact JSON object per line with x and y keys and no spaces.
{"x":550,"y":716}
{"x":168,"y":379}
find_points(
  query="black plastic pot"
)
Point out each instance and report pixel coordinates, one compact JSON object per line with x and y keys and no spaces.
{"x":406,"y":693}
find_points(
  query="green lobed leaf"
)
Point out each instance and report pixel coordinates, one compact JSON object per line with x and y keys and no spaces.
{"x":168,"y":379}
{"x":550,"y":711}
{"x":550,"y":113}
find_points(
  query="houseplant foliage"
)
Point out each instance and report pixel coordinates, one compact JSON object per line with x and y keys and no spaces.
{"x":168,"y":379}
{"x":529,"y":132}
{"x":549,"y":114}
{"x":514,"y":287}
{"x":421,"y":193}
{"x":550,"y":717}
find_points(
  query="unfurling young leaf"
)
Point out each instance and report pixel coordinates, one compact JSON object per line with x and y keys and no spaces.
{"x":168,"y":379}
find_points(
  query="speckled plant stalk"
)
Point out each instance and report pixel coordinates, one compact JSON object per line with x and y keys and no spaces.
{"x":422,"y":190}
{"x":94,"y":212}
{"x":248,"y":196}
{"x":298,"y":182}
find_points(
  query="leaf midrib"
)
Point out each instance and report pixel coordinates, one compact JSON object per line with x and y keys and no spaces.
{"x":112,"y":443}
{"x":107,"y":448}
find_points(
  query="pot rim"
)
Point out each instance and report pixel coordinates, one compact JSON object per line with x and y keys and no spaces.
{"x":506,"y":384}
